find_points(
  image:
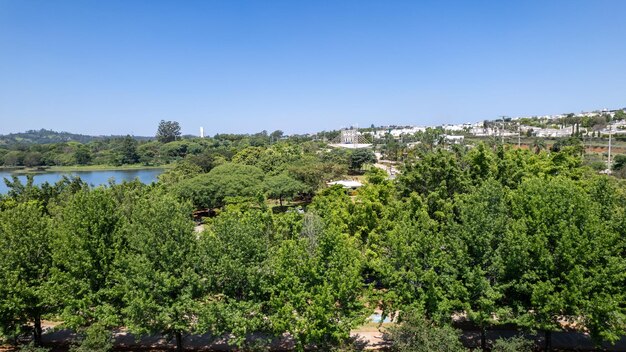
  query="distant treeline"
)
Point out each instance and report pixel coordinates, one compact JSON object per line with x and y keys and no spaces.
{"x":49,"y":148}
{"x":44,"y":136}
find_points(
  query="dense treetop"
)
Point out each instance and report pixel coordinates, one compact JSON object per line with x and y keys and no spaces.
{"x":493,"y":234}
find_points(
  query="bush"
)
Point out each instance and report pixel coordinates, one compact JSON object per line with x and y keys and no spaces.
{"x":376,"y":176}
{"x":32,"y":348}
{"x":513,"y":344}
{"x":597,"y":165}
{"x":95,"y":339}
{"x":418,"y":334}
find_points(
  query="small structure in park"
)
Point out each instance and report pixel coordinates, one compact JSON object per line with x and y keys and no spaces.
{"x":348,"y":184}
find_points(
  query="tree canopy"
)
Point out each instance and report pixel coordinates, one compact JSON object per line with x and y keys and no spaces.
{"x":493,"y":235}
{"x":168,"y":131}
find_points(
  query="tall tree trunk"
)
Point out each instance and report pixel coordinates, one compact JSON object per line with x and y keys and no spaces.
{"x":37,"y":331}
{"x":179,"y":341}
{"x":483,"y":338}
{"x":548,"y":342}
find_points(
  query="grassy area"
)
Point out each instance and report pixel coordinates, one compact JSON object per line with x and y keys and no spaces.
{"x":373,"y":327}
{"x":75,"y":168}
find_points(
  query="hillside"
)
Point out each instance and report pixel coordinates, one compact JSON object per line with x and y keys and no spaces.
{"x":44,"y":136}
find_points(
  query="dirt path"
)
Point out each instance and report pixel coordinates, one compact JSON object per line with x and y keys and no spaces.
{"x":367,"y":337}
{"x":370,"y":336}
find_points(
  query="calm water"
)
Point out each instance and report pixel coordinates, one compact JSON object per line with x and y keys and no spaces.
{"x":94,"y":178}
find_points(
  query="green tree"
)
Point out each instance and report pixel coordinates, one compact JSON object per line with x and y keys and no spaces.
{"x":276,"y":135}
{"x":205,"y":160}
{"x":314,"y":172}
{"x":182,"y":170}
{"x":562,"y":262}
{"x":619,"y":161}
{"x":33,"y":159}
{"x":391,"y":148}
{"x":46,"y":194}
{"x":360,"y":157}
{"x":14,"y":158}
{"x":483,"y":221}
{"x":431,"y":138}
{"x":278,"y":157}
{"x":283,"y":186}
{"x":85,"y":246}
{"x":249,"y":156}
{"x":538,"y":145}
{"x":229,"y":180}
{"x":127,"y":151}
{"x":482,"y":163}
{"x":149,"y":153}
{"x":315,"y":288}
{"x":25,"y":261}
{"x":157,"y":279}
{"x":180,"y":149}
{"x":419,"y":264}
{"x":376,"y":176}
{"x":82,"y":155}
{"x":168,"y":131}
{"x":233,"y":251}
{"x":440,"y":172}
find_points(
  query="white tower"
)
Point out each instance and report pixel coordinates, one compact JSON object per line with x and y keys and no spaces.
{"x":201,"y":132}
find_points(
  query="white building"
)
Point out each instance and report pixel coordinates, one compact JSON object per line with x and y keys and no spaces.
{"x":553,"y":132}
{"x":398,"y":132}
{"x":348,"y":184}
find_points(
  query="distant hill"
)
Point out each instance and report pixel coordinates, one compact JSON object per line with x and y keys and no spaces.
{"x":44,"y":136}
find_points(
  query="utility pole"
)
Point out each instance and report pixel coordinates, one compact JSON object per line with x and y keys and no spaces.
{"x":609,"y":159}
{"x":519,"y":136}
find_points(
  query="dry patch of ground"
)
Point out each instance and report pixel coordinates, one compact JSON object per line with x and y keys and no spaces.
{"x":370,"y":335}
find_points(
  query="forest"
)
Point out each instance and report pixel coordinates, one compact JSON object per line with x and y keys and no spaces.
{"x":489,"y":233}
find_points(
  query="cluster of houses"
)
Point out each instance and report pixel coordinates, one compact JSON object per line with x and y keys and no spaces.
{"x":398,"y":132}
{"x":353,"y":138}
{"x":456,"y":132}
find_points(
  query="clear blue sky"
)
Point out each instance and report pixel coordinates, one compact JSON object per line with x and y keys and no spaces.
{"x":118,"y":67}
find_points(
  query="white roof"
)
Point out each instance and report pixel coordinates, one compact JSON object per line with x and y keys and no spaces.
{"x":346,"y":183}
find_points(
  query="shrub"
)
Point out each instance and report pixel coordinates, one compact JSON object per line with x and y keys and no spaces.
{"x":32,"y":348}
{"x":418,"y":334}
{"x":513,"y":344}
{"x":95,"y":339}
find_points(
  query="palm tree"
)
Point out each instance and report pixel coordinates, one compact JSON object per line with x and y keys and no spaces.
{"x":538,"y":145}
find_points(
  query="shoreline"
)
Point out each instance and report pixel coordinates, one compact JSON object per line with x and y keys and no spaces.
{"x":76,"y":168}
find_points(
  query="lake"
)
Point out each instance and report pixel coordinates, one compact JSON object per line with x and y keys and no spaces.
{"x":93,"y":178}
